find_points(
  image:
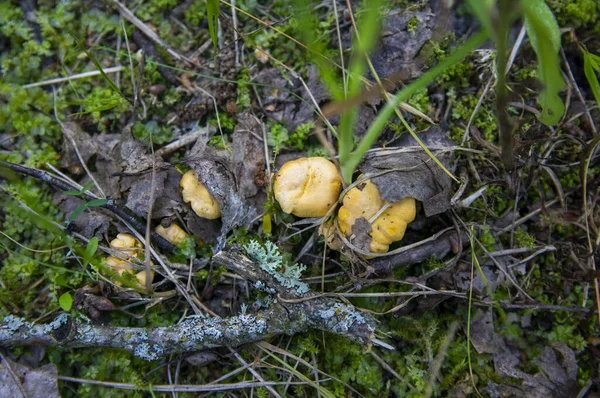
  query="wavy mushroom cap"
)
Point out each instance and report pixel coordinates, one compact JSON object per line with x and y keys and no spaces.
{"x":126,"y":241}
{"x":364,"y":201}
{"x":195,"y":193}
{"x":307,"y":187}
{"x":391,"y":225}
{"x":361,"y":201}
{"x":173,"y":233}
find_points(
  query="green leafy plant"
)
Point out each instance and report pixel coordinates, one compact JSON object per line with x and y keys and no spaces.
{"x":540,"y":24}
{"x":65,"y":301}
{"x":544,"y":35}
{"x":212,"y":14}
{"x":591,"y":66}
{"x":85,"y":205}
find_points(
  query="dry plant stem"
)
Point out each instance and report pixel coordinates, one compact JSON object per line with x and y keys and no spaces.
{"x":114,"y":69}
{"x":577,"y":91}
{"x":187,"y":139}
{"x":253,"y":371}
{"x":174,"y":388}
{"x":504,"y":126}
{"x":128,"y":15}
{"x":437,"y":248}
{"x":439,"y":359}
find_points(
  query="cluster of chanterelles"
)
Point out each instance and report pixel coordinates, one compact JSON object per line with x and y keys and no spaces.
{"x":310,"y":187}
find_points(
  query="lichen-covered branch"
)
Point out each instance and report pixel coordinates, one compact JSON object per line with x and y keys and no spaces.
{"x":195,"y":333}
{"x":202,"y":332}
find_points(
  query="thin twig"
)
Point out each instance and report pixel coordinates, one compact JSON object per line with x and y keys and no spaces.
{"x":113,"y":69}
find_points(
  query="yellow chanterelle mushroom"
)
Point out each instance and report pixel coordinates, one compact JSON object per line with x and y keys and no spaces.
{"x":195,"y":193}
{"x":307,"y":187}
{"x":173,"y":233}
{"x":129,"y":246}
{"x":365,"y":201}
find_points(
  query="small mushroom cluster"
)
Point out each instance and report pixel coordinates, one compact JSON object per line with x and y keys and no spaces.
{"x":310,"y":187}
{"x":202,"y":203}
{"x":128,"y":246}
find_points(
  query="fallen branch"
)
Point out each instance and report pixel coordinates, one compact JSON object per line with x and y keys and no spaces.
{"x":436,"y":248}
{"x":202,"y":332}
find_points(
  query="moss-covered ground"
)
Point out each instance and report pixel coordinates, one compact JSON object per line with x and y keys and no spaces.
{"x":40,"y":262}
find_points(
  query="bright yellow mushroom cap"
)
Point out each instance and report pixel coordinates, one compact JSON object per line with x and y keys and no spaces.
{"x":307,"y":187}
{"x":173,"y":233}
{"x":364,"y":201}
{"x":195,"y":193}
{"x":391,"y":225}
{"x":126,"y":241}
{"x":361,"y":201}
{"x":129,"y":246}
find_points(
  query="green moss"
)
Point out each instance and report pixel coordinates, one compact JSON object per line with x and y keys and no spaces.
{"x":576,"y":13}
{"x":412,"y":25}
{"x":220,"y":142}
{"x":151,"y":131}
{"x":523,"y":239}
{"x":300,"y":135}
{"x":485,"y":121}
{"x":243,"y":90}
{"x":277,"y":137}
{"x":195,"y":13}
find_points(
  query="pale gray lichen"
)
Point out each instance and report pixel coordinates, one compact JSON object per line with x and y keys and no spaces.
{"x":12,"y":323}
{"x":59,"y":321}
{"x":138,"y":337}
{"x":196,"y":328}
{"x":84,"y":330}
{"x":147,"y":352}
{"x":343,"y":316}
{"x":259,"y":285}
{"x":270,"y":260}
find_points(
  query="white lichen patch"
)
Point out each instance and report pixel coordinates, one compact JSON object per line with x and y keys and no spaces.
{"x":197,"y":328}
{"x":341,"y":318}
{"x":59,"y":321}
{"x":148,"y":352}
{"x":270,"y":260}
{"x":12,"y":323}
{"x":138,"y":337}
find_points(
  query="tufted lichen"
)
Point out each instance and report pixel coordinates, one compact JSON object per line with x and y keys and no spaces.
{"x":59,"y":321}
{"x":270,"y":260}
{"x":148,"y":352}
{"x":341,"y":317}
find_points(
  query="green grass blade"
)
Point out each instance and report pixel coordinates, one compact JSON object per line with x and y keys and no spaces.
{"x":364,"y":40}
{"x":388,"y":110}
{"x":544,"y":34}
{"x":591,"y":64}
{"x":482,"y":10}
{"x":316,"y":47}
{"x":94,"y":60}
{"x":212,"y":13}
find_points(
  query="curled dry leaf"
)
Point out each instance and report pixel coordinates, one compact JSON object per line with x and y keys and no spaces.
{"x":218,"y":180}
{"x":167,"y":199}
{"x":407,"y":171}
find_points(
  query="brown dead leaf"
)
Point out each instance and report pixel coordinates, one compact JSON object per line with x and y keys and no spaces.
{"x":407,"y":171}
